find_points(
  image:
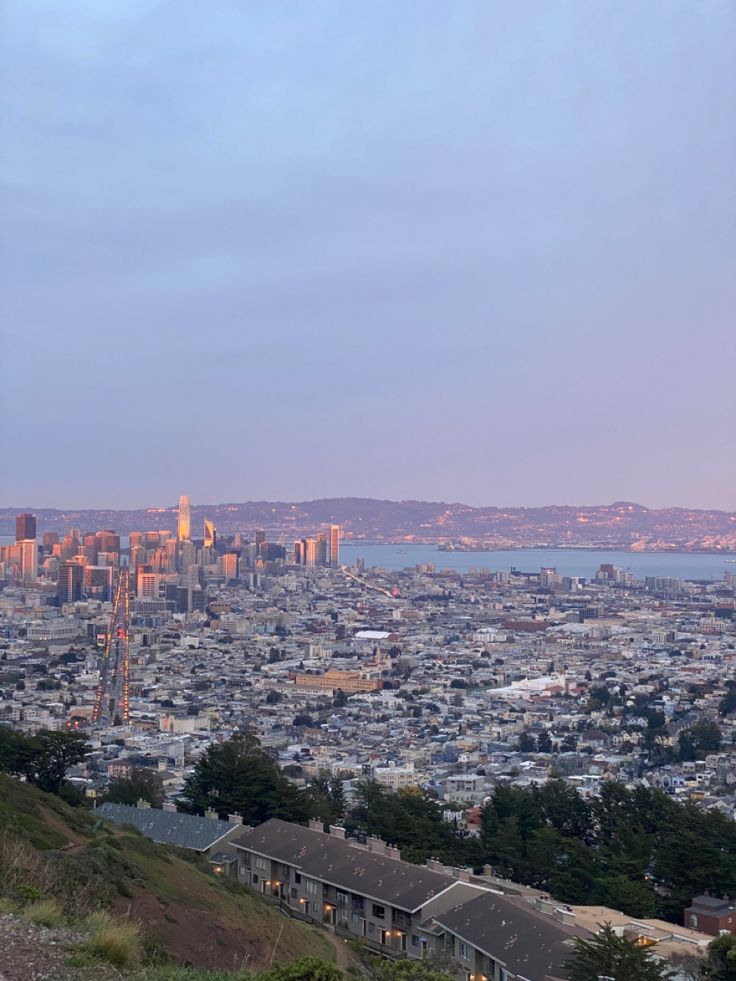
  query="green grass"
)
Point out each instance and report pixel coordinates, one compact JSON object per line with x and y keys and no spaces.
{"x":117,"y":942}
{"x":45,"y":912}
{"x":112,"y":867}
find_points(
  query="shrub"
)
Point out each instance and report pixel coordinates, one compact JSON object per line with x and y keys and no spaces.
{"x":45,"y":912}
{"x":115,"y":941}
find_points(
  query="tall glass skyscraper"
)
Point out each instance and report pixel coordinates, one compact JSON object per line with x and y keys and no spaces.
{"x":184,"y":531}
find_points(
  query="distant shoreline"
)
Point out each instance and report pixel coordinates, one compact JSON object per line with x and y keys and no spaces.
{"x":352,"y":543}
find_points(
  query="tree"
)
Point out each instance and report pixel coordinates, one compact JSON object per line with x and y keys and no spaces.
{"x":607,"y":955}
{"x":720,"y":961}
{"x":142,"y":784}
{"x":58,"y":752}
{"x":544,"y":742}
{"x":527,"y":743}
{"x":237,"y":776}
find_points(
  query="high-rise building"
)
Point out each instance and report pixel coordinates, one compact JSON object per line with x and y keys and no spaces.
{"x":230,"y":566}
{"x":29,"y":559}
{"x":310,"y":552}
{"x":25,"y":539}
{"x":71,"y":578}
{"x":321,"y":550}
{"x":98,"y":582}
{"x":210,"y":534}
{"x":335,"y":546}
{"x":25,"y":527}
{"x":184,"y":532}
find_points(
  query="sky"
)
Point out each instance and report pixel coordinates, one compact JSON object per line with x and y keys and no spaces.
{"x":478,"y":252}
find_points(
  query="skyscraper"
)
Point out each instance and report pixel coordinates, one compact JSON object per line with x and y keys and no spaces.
{"x":71,"y":577}
{"x":210,"y":533}
{"x":25,"y":527}
{"x":335,"y":546}
{"x":25,"y":537}
{"x":185,"y":519}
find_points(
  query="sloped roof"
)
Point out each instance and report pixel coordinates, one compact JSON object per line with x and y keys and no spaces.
{"x":168,"y":827}
{"x":337,"y":862}
{"x":528,"y":943}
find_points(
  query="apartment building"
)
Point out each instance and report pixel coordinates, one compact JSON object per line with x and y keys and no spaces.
{"x":367,"y":892}
{"x":364,"y":892}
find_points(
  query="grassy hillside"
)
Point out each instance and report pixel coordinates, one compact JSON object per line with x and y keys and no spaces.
{"x":49,"y":850}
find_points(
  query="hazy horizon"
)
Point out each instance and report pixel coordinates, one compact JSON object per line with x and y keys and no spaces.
{"x":459,"y":253}
{"x":158,"y":506}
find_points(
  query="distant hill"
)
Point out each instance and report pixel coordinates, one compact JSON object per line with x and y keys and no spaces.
{"x":68,"y":854}
{"x":619,"y":525}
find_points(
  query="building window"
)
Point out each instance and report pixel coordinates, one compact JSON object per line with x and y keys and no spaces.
{"x":311,"y":887}
{"x":355,"y":917}
{"x":379,"y":911}
{"x":261,"y":864}
{"x":342,"y":898}
{"x":414,"y":940}
{"x":294,"y":893}
{"x":693,"y":921}
{"x":371,"y":928}
{"x":315,"y":909}
{"x":463,"y":950}
{"x":255,"y":878}
{"x":297,"y":877}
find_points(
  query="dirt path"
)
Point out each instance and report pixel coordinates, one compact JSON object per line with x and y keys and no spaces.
{"x":342,"y":952}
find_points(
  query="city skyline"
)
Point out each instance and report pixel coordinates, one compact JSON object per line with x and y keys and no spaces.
{"x":476,"y":254}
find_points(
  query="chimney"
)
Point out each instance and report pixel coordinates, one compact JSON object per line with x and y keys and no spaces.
{"x":488,"y":870}
{"x":316,"y":825}
{"x":211,"y":814}
{"x":377,"y":845}
{"x":565,"y":916}
{"x":336,"y":831}
{"x":235,"y":818}
{"x":142,"y":804}
{"x":434,"y":865}
{"x":463,"y":875}
{"x":392,"y":852}
{"x":169,"y":806}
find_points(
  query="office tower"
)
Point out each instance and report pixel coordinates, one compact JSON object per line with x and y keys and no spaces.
{"x":98,"y":582}
{"x":298,"y":553}
{"x":25,"y":527}
{"x":71,"y":577}
{"x":335,"y":546}
{"x":260,"y":539}
{"x":210,"y":534}
{"x":29,"y":559}
{"x":25,"y":539}
{"x":50,"y":538}
{"x":230,"y":566}
{"x":185,"y":519}
{"x":310,"y":552}
{"x":188,"y":555}
{"x":135,"y":538}
{"x":321,"y":550}
{"x":107,"y":541}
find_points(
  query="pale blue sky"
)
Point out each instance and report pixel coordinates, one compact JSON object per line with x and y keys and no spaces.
{"x":469,"y":251}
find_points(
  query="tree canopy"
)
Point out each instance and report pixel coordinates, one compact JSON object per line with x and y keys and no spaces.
{"x":607,"y":955}
{"x":238,"y":777}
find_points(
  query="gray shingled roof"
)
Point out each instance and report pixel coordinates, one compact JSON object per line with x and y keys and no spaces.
{"x":168,"y":827}
{"x":529,"y":943}
{"x":341,"y":864}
